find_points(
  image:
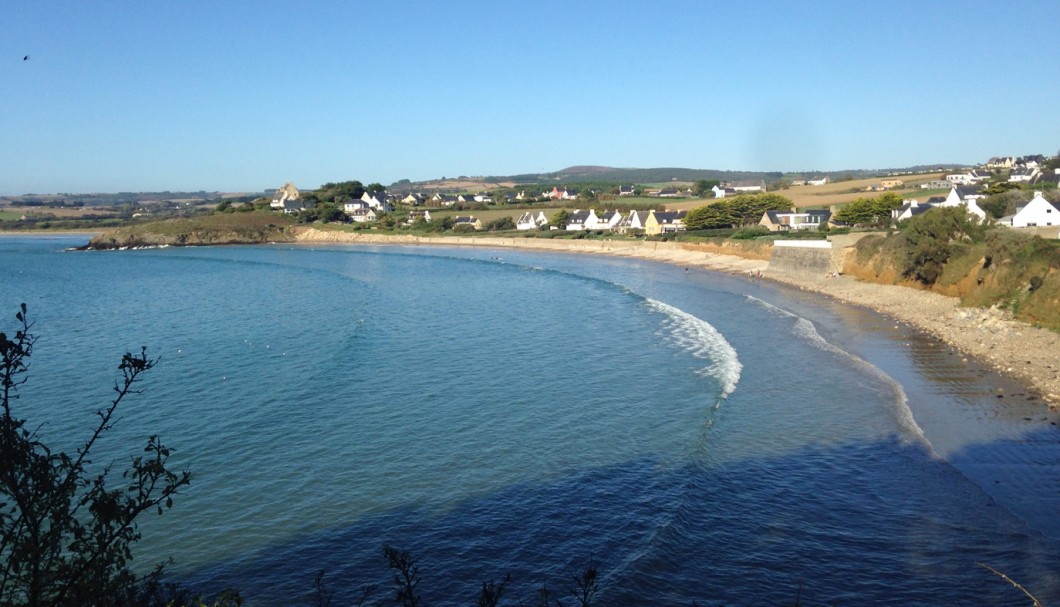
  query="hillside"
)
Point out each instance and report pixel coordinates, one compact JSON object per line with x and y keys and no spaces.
{"x":216,"y":229}
{"x":615,"y":175}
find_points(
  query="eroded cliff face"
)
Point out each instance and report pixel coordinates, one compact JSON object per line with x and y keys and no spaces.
{"x":1025,"y":283}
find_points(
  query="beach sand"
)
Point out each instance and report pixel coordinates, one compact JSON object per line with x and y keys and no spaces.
{"x":1028,"y":354}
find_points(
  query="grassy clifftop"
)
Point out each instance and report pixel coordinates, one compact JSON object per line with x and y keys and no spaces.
{"x":215,"y":229}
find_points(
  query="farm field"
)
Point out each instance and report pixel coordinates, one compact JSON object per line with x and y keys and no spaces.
{"x":62,"y":213}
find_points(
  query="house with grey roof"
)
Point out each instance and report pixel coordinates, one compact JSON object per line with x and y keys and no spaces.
{"x":467,"y":222}
{"x":954,"y":200}
{"x":581,"y":220}
{"x":794,"y":219}
{"x":910,"y":208}
{"x":635,"y":220}
{"x":531,"y":221}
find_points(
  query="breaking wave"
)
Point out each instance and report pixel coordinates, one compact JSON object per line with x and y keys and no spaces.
{"x":702,"y":340}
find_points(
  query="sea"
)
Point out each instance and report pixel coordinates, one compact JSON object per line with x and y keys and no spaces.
{"x":695,"y":437}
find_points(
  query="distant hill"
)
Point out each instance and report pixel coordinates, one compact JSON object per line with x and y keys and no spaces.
{"x":581,"y":174}
{"x":119,"y":198}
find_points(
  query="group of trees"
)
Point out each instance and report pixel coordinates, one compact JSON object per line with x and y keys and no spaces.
{"x":869,"y":212}
{"x":734,"y":212}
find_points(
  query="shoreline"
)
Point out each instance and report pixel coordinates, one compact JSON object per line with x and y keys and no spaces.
{"x":1023,"y":352}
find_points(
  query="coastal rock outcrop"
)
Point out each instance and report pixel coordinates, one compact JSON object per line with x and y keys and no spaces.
{"x":222,"y":229}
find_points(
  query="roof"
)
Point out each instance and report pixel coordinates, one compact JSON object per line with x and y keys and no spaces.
{"x":578,"y":217}
{"x":914,"y":209}
{"x":669,"y":216}
{"x":1037,"y":195}
{"x":752,"y":183}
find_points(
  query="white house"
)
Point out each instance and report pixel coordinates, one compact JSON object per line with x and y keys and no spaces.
{"x":362,"y":215}
{"x":753,"y":185}
{"x":530,"y":221}
{"x":954,"y":200}
{"x":354,"y":205}
{"x":783,"y":221}
{"x":377,"y":201}
{"x":444,"y":200}
{"x":960,"y":178}
{"x":1022,"y":175}
{"x":634,"y":221}
{"x":910,"y":208}
{"x":582,"y":220}
{"x":607,"y":220}
{"x":817,"y":181}
{"x":1037,"y":212}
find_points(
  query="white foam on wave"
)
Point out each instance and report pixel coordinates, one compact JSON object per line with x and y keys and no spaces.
{"x":805,"y":329}
{"x":699,"y":338}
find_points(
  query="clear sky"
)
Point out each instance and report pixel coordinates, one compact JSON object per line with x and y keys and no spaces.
{"x":242,"y":96}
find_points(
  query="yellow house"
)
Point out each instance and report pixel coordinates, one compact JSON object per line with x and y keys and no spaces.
{"x":664,"y":222}
{"x":892,"y":183}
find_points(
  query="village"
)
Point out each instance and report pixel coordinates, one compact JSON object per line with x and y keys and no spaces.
{"x":967,"y":189}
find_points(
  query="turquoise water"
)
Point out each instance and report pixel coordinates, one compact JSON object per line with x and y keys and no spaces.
{"x":701,"y":436}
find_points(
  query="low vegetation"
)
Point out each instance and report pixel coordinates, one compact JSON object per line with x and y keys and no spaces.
{"x":949,"y":251}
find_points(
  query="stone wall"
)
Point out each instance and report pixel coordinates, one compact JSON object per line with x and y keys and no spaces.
{"x":787,"y":259}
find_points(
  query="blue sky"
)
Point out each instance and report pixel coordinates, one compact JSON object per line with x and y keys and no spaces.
{"x":137,"y":96}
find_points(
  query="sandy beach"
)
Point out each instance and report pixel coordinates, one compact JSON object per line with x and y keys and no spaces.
{"x":1026,"y":353}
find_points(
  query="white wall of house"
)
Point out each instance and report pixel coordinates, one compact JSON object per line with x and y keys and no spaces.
{"x":1037,"y":212}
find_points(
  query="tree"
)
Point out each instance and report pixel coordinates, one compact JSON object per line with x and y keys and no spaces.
{"x":501,"y":224}
{"x":560,"y":219}
{"x":740,"y":210}
{"x":704,"y":187}
{"x":930,"y":239}
{"x":66,"y":532}
{"x":869,"y":211}
{"x":709,"y":217}
{"x":1004,"y":202}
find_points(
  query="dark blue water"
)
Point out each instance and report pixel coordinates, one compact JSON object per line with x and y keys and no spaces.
{"x":699,"y":436}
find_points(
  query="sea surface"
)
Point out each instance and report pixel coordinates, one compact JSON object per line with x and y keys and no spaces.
{"x":696,"y":436}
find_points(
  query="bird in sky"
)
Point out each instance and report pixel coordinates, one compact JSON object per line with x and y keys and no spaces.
{"x":26,"y":58}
